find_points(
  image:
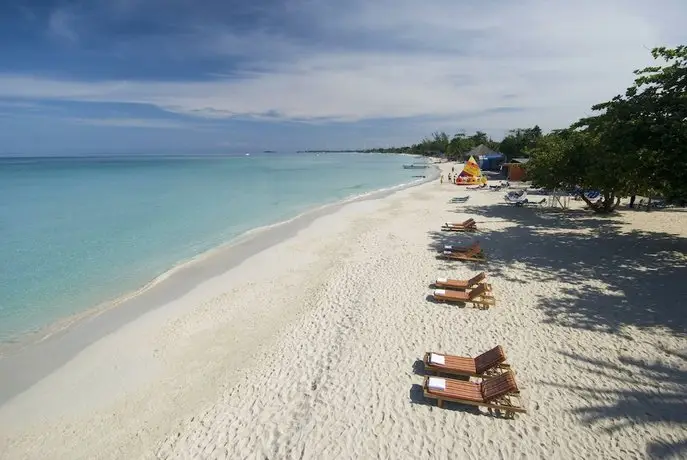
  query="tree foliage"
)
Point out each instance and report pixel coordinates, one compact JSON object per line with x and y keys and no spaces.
{"x":438,"y":143}
{"x":579,"y":161}
{"x":649,"y":123}
{"x":461,"y":144}
{"x":518,"y":141}
{"x":637,"y":144}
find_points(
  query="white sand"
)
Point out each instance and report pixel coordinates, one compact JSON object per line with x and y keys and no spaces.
{"x":307,"y":350}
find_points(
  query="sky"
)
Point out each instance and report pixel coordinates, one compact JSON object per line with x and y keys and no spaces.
{"x":107,"y":76}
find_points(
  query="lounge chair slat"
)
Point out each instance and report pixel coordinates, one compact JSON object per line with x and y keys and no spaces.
{"x":461,"y":285}
{"x":452,"y":365}
{"x":460,"y":389}
{"x":489,"y":359}
{"x":480,"y":296}
{"x":498,"y":386}
{"x":456,"y":296}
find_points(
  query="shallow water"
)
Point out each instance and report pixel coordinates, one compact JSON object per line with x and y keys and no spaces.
{"x":76,"y":232}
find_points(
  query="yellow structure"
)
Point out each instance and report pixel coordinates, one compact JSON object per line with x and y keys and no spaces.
{"x":471,"y":174}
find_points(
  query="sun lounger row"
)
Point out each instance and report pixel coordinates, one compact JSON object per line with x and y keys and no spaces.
{"x":497,"y":389}
{"x":490,"y":187}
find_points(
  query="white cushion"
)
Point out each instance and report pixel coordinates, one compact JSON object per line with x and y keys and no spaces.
{"x":436,"y":359}
{"x":440,"y":292}
{"x":448,"y":252}
{"x":436,"y":383}
{"x":442,"y":280}
{"x":448,"y":246}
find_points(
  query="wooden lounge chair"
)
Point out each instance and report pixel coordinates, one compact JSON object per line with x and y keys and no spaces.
{"x":489,"y":364}
{"x":461,"y":285}
{"x":452,"y":248}
{"x":467,"y":226}
{"x":474,"y":254}
{"x":478,"y":296}
{"x":498,"y":393}
{"x":466,"y":222}
{"x":459,"y":226}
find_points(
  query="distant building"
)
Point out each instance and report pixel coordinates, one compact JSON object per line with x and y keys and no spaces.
{"x":488,"y":159}
{"x":515,"y":170}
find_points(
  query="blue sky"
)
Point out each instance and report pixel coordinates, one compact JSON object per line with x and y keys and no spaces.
{"x":103,"y":76}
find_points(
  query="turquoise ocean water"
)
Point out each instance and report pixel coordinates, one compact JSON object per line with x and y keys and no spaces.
{"x":77,"y":232}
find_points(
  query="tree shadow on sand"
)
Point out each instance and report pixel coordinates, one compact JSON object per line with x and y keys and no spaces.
{"x":617,"y":279}
{"x":652,"y":394}
{"x":641,"y":274}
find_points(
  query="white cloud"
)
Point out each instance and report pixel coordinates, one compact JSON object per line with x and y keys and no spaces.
{"x":554,"y":60}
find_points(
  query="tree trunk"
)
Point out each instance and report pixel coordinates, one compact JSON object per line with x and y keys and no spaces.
{"x":591,"y":205}
{"x":608,"y":202}
{"x":632,"y":201}
{"x":617,"y":202}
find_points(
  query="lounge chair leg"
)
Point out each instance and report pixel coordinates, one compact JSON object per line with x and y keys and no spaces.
{"x":440,"y":403}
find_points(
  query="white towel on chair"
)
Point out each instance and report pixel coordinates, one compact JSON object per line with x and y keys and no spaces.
{"x":436,"y":383}
{"x":436,"y":359}
{"x":440,"y":292}
{"x":442,"y":280}
{"x":449,"y":247}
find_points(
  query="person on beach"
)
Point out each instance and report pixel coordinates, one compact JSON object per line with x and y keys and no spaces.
{"x":441,"y":178}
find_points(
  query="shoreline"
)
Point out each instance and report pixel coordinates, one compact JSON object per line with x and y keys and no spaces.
{"x":15,"y":343}
{"x":113,"y":314}
{"x":46,"y":317}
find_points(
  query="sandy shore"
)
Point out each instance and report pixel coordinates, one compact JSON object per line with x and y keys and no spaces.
{"x":308,"y":349}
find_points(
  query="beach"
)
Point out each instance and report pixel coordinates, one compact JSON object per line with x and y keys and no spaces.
{"x":308,"y":347}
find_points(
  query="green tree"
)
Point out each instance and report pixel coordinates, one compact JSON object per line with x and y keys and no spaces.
{"x":480,"y":137}
{"x":649,"y":123}
{"x":518,"y":141}
{"x":461,"y":144}
{"x":579,"y":160}
{"x":458,"y":145}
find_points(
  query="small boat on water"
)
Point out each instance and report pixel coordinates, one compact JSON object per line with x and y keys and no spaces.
{"x":416,"y":166}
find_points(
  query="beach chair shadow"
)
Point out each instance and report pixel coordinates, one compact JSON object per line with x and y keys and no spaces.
{"x":417,"y":395}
